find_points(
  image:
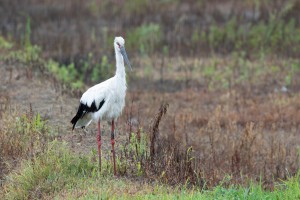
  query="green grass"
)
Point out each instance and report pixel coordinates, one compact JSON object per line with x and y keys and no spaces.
{"x":22,"y":136}
{"x":70,"y":76}
{"x":5,"y":44}
{"x":61,"y":174}
{"x":276,"y":31}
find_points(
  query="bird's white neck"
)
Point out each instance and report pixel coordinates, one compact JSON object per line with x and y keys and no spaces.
{"x":120,"y":72}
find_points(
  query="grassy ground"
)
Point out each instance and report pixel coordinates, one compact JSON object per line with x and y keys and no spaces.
{"x":228,"y":148}
{"x":212,"y":110}
{"x":60,"y":174}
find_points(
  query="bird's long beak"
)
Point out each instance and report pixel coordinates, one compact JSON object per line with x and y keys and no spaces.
{"x":124,"y":54}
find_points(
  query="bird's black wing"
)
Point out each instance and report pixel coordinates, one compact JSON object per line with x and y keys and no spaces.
{"x":83,"y":109}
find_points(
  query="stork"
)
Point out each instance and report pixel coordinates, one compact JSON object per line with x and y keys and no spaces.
{"x":106,"y":100}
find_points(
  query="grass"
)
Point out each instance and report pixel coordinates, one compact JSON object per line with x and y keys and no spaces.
{"x":60,"y":174}
{"x":221,"y":73}
{"x":51,"y":170}
{"x":241,"y":67}
{"x":30,"y":57}
{"x":220,"y":105}
{"x":22,"y":136}
{"x":234,"y":124}
{"x":57,"y":173}
{"x":209,"y":28}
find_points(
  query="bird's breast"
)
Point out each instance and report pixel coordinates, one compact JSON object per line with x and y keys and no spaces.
{"x":115,"y":104}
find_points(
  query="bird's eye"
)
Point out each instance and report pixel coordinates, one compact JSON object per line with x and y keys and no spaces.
{"x":118,"y":44}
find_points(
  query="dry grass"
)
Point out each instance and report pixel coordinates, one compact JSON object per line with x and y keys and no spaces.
{"x":74,"y":27}
{"x":227,"y":121}
{"x":204,"y":136}
{"x":204,"y":140}
{"x":22,"y":136}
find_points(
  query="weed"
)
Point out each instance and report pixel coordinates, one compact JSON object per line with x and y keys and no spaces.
{"x":30,"y":58}
{"x":5,"y":44}
{"x":256,"y":27}
{"x":155,"y":129}
{"x":21,"y":136}
{"x":136,"y":7}
{"x":147,"y":37}
{"x":134,"y":154}
{"x":101,"y":71}
{"x":67,"y":74}
{"x":48,"y":172}
{"x":27,"y":40}
{"x":61,"y":174}
{"x":229,"y":140}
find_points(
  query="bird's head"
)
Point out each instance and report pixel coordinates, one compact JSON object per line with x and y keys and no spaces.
{"x":119,"y":45}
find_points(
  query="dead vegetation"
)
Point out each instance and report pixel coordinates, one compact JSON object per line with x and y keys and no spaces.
{"x":197,"y":137}
{"x":22,"y":136}
{"x":224,"y":120}
{"x":205,"y":145}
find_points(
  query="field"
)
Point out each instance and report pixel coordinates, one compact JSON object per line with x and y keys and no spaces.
{"x":212,"y":107}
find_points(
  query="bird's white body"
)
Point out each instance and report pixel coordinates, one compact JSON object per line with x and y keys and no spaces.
{"x":111,"y":91}
{"x":106,"y":100}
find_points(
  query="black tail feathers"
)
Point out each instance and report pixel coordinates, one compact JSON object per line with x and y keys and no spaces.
{"x":78,"y":115}
{"x":84,"y":109}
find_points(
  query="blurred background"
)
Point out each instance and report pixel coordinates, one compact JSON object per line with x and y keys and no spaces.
{"x":81,"y":32}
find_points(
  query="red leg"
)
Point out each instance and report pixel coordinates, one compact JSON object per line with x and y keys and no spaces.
{"x":99,"y":144}
{"x":113,"y":145}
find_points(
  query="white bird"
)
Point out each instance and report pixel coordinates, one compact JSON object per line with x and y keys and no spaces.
{"x":106,"y":100}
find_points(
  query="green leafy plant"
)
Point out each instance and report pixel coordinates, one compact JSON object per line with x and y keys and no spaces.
{"x":49,"y":172}
{"x":137,"y":151}
{"x":27,"y":40}
{"x":147,"y":36}
{"x":5,"y":44}
{"x":22,"y":136}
